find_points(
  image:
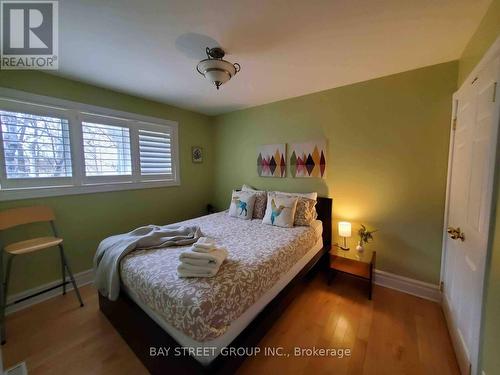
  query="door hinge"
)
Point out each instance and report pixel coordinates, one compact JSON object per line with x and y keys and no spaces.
{"x":454,"y":125}
{"x":494,"y":92}
{"x":441,"y":286}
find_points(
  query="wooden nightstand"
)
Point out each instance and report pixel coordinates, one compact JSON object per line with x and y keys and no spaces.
{"x":354,"y":263}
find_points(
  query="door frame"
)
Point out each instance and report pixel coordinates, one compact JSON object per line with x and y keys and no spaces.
{"x":465,"y":367}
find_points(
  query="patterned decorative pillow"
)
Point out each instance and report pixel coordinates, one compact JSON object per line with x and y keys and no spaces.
{"x":242,"y":203}
{"x":259,"y":209}
{"x":306,"y":212}
{"x":280,"y":211}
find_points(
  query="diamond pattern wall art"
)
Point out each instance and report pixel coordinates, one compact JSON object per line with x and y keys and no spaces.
{"x":271,"y":160}
{"x":308,"y":159}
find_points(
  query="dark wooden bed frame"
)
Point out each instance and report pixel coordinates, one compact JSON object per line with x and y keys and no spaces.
{"x":141,"y":332}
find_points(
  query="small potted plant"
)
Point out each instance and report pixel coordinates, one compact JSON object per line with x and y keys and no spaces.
{"x":365,"y":236}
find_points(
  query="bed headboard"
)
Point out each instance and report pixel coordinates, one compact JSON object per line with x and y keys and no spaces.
{"x":324,"y":210}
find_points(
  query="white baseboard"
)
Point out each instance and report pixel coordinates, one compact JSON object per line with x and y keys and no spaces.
{"x":81,"y":278}
{"x":407,"y":285}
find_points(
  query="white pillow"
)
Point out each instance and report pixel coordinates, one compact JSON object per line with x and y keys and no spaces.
{"x":280,"y":211}
{"x":313,"y":196}
{"x":259,"y":208}
{"x":246,"y":187}
{"x":242,"y":203}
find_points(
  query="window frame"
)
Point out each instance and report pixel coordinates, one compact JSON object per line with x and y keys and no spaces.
{"x":76,"y":113}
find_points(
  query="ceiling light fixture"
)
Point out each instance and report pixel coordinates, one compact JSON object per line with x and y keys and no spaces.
{"x":215,"y":69}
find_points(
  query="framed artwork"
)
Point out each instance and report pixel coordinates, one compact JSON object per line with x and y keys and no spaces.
{"x":271,"y":160}
{"x":308,"y":159}
{"x":197,"y":154}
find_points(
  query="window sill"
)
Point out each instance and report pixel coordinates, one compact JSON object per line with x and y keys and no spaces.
{"x":54,"y":191}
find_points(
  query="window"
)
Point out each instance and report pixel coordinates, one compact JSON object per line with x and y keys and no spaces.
{"x":51,"y":147}
{"x":35,"y":146}
{"x":106,"y":149}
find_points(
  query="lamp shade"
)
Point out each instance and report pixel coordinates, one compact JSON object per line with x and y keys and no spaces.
{"x":217,"y":71}
{"x":344,"y":229}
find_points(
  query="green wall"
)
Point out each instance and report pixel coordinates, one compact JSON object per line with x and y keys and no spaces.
{"x":86,"y":219}
{"x":487,"y":32}
{"x":483,"y":38}
{"x":387,"y":158}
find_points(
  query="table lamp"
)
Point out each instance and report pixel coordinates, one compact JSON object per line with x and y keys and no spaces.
{"x":344,"y":232}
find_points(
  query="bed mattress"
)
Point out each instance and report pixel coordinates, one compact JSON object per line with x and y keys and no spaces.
{"x":203,"y":309}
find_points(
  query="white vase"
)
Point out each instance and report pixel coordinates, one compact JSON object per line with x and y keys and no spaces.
{"x":360,"y":247}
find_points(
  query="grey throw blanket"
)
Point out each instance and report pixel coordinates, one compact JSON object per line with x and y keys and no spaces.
{"x":112,"y":249}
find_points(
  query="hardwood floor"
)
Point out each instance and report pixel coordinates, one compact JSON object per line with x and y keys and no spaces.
{"x":395,"y":333}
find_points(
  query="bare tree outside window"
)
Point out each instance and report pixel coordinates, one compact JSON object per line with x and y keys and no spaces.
{"x":35,"y":146}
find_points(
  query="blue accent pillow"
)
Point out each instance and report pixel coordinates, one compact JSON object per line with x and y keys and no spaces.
{"x":242,"y":203}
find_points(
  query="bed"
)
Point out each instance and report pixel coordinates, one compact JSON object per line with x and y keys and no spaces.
{"x":197,"y":318}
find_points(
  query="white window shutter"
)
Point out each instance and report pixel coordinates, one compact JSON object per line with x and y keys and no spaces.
{"x":155,"y":153}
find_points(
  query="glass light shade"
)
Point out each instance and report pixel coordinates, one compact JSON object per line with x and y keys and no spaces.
{"x":344,"y":229}
{"x":217,"y":71}
{"x":217,"y":76}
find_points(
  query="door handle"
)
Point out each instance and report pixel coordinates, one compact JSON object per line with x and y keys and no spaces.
{"x":456,"y":234}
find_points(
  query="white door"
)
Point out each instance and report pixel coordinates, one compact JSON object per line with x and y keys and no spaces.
{"x":469,"y":205}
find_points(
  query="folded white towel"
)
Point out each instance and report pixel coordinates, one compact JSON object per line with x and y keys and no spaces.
{"x":205,"y":245}
{"x":205,"y":242}
{"x":187,"y":270}
{"x":199,"y":249}
{"x":209,"y":260}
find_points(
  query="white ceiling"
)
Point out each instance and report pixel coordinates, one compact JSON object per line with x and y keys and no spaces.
{"x":288,"y":48}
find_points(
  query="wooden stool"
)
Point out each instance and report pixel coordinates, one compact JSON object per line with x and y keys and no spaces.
{"x":27,"y":215}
